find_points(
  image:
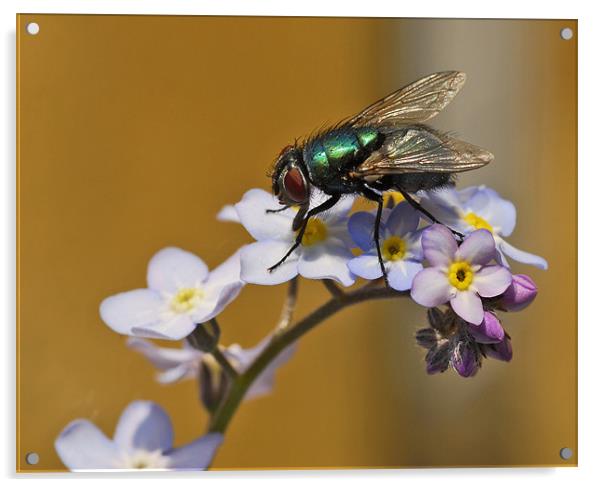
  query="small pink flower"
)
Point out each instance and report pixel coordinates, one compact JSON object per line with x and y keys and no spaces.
{"x":459,"y":275}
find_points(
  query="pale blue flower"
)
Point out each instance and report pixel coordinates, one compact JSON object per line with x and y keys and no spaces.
{"x":143,"y":439}
{"x":178,"y":364}
{"x":323,"y":254}
{"x":479,"y":207}
{"x":181,"y":293}
{"x":400,"y":246}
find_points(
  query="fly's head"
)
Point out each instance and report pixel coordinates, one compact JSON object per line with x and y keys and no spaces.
{"x":290,"y":183}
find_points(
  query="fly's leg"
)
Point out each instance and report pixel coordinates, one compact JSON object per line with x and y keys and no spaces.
{"x":374,"y":196}
{"x":278,"y":210}
{"x":417,"y":206}
{"x":329,"y":203}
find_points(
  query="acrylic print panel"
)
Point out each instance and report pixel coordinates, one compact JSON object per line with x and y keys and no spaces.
{"x":135,"y":132}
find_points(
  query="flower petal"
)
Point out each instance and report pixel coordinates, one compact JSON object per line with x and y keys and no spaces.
{"x":170,"y":376}
{"x":439,"y":245}
{"x":338,"y":212}
{"x":228,"y":214}
{"x":124,"y":311}
{"x":445,"y":205}
{"x":401,"y":274}
{"x":197,"y":455}
{"x":478,"y":248}
{"x":82,"y":446}
{"x":402,"y":220}
{"x":326,"y":261}
{"x":218,"y":297}
{"x":175,"y":327}
{"x":261,"y":225}
{"x":468,"y":306}
{"x":492,"y":280}
{"x":366,"y":266}
{"x":144,"y":425}
{"x":361,"y":229}
{"x":499,"y":213}
{"x":256,"y":258}
{"x":431,"y":288}
{"x":163,"y":357}
{"x":522,"y":256}
{"x":227,"y":272}
{"x":172,"y":268}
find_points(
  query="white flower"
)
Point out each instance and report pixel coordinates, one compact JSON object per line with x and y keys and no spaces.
{"x":323,"y":254}
{"x":181,"y":293}
{"x":183,"y":363}
{"x":479,"y":207}
{"x":143,"y":440}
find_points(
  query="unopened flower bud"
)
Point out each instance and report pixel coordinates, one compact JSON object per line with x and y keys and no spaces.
{"x":489,"y":331}
{"x":520,"y":293}
{"x":437,"y":358}
{"x":426,"y":337}
{"x":500,"y":351}
{"x":466,"y":359}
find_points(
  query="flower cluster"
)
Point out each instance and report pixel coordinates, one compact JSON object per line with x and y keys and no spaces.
{"x":471,"y":276}
{"x":465,"y":282}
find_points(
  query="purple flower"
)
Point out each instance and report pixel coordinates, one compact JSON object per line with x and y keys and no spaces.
{"x":520,"y":294}
{"x":181,"y":293}
{"x":400,"y":246}
{"x":183,"y":363}
{"x":459,"y":275}
{"x":143,"y":440}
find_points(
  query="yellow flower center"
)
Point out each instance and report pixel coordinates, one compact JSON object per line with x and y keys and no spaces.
{"x":394,"y":248}
{"x":392,"y":198}
{"x":477,"y":222}
{"x":186,"y":299}
{"x":460,"y":275}
{"x":141,"y":459}
{"x":315,"y":232}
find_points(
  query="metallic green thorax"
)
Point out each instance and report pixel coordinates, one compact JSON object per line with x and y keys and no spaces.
{"x":330,"y":154}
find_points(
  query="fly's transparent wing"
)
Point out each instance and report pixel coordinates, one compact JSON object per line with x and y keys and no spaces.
{"x":418,"y":149}
{"x":415,"y":103}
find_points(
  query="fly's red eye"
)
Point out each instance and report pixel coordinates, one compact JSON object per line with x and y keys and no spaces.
{"x":294,"y":185}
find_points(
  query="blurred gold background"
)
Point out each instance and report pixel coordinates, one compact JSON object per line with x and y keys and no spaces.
{"x":135,"y":130}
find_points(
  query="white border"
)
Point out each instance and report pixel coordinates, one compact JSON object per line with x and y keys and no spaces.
{"x":590,"y":80}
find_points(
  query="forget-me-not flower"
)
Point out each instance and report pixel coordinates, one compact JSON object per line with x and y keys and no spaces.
{"x":480,"y":207}
{"x":323,"y":253}
{"x":400,"y":246}
{"x":459,"y":275}
{"x":143,"y":439}
{"x":181,"y":293}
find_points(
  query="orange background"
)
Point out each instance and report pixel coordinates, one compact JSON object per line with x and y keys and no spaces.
{"x":133,"y":131}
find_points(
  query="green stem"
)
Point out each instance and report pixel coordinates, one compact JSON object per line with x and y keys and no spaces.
{"x":241,"y":384}
{"x":224,"y":363}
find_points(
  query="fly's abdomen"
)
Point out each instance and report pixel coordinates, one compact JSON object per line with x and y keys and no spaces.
{"x":335,"y":151}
